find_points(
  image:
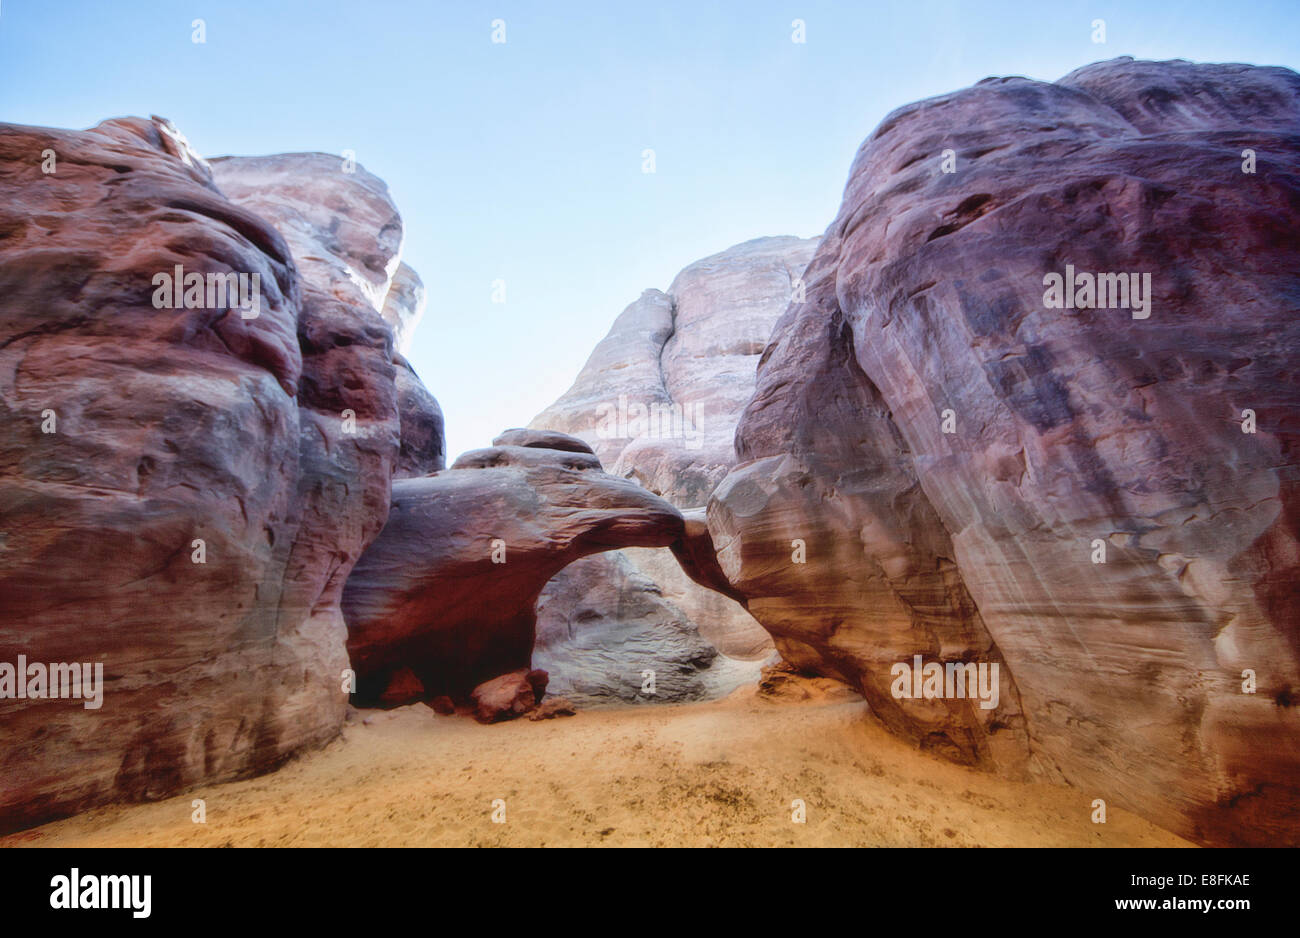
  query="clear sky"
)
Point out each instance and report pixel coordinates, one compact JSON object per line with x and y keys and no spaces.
{"x":522,"y":161}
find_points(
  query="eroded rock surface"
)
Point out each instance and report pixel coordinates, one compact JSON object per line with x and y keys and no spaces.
{"x":448,"y":589}
{"x":1072,"y":429}
{"x":658,"y":401}
{"x":660,"y":396}
{"x":179,"y":501}
{"x":404,"y":306}
{"x":602,"y":625}
{"x":424,"y":447}
{"x":509,"y":695}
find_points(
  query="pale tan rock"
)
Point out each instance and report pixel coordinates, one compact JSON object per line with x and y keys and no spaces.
{"x":553,"y":707}
{"x":603,"y":625}
{"x":344,"y":228}
{"x":686,"y":358}
{"x":404,"y":306}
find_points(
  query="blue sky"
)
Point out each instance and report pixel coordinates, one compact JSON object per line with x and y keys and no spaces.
{"x":522,"y":161}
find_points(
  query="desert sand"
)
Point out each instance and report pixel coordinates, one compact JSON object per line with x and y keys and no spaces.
{"x":723,"y":773}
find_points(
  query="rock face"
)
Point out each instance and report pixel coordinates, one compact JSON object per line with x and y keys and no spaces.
{"x":404,"y":306}
{"x":346,"y":237}
{"x":448,"y":589}
{"x":179,"y":500}
{"x":601,"y":624}
{"x":660,"y":396}
{"x":423,"y":448}
{"x":551,"y":708}
{"x":344,"y":227}
{"x":508,"y":696}
{"x":955,"y":452}
{"x":659,"y":400}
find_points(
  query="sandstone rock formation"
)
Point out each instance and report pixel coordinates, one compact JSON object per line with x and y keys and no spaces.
{"x":448,"y":589}
{"x":659,"y":400}
{"x":346,"y":235}
{"x":660,"y":396}
{"x":601,"y":624}
{"x":424,"y":447}
{"x":404,"y":306}
{"x":1072,"y":431}
{"x":180,"y":498}
{"x":552,"y":708}
{"x":509,"y":695}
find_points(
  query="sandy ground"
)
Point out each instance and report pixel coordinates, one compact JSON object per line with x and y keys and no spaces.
{"x":712,"y":774}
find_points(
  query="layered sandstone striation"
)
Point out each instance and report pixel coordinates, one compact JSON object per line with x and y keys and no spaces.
{"x":183,"y":488}
{"x":1069,"y":432}
{"x":659,"y":400}
{"x":346,"y":234}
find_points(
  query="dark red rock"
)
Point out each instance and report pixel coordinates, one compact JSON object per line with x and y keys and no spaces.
{"x":423,"y":447}
{"x":537,"y":680}
{"x":1071,"y":427}
{"x":450,"y":586}
{"x":177,"y":425}
{"x":172,"y":426}
{"x":403,"y":688}
{"x":504,"y":697}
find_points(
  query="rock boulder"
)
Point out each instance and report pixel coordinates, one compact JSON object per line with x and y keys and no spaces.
{"x":977,"y":473}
